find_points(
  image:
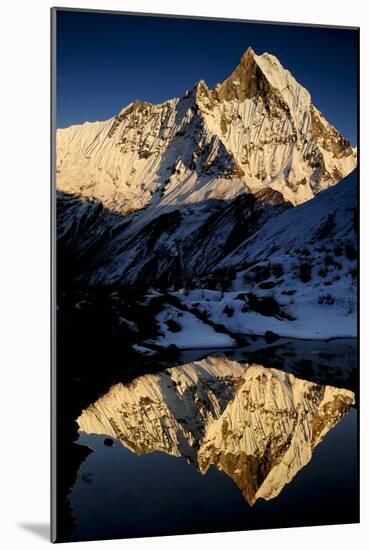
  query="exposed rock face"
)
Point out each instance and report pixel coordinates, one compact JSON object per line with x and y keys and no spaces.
{"x":260,"y":426}
{"x":258,"y":129}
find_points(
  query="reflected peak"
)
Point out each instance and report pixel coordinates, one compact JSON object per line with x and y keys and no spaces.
{"x":258,"y":425}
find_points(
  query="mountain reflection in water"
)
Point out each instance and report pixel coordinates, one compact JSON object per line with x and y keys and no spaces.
{"x":258,"y":425}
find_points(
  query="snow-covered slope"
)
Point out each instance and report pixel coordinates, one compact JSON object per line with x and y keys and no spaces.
{"x":246,"y":264}
{"x":299,"y":268}
{"x":138,"y":250}
{"x":257,"y":129}
{"x":258,"y":425}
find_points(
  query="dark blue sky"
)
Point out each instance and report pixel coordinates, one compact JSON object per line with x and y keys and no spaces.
{"x":104,"y":61}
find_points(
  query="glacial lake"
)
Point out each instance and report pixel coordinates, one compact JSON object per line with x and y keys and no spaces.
{"x":223,"y":441}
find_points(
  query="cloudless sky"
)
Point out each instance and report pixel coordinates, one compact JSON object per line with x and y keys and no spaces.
{"x":105,"y":61}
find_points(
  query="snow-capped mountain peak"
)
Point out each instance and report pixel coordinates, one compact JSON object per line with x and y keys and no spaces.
{"x":257,"y":129}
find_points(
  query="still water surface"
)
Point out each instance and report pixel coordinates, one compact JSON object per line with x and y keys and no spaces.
{"x":220,"y":443}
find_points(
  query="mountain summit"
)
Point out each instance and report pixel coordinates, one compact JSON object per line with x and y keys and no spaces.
{"x":257,"y":129}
